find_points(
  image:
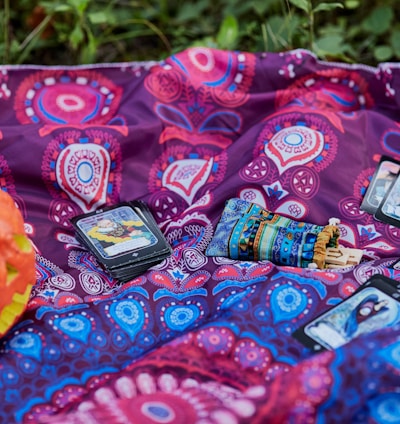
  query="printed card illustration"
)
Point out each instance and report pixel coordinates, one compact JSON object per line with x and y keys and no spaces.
{"x":382,"y":180}
{"x":125,"y":238}
{"x":396,"y":265}
{"x":117,"y":231}
{"x":368,"y":309}
{"x":389,"y":209}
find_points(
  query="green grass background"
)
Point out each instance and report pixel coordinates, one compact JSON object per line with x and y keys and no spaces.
{"x":92,"y":31}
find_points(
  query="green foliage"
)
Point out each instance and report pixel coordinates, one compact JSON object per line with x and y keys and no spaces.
{"x":87,"y":31}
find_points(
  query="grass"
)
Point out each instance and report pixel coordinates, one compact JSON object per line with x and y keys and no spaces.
{"x":88,"y":31}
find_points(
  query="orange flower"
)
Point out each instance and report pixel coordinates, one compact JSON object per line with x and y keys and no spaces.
{"x":17,"y":263}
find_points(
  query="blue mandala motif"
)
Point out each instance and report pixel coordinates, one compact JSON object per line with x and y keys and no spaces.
{"x":10,"y":377}
{"x":99,"y":339}
{"x":287,"y":302}
{"x":119,"y":340}
{"x":128,"y":315}
{"x":75,"y":326}
{"x":52,"y":354}
{"x":391,"y":355}
{"x":27,"y":344}
{"x":233,"y":295}
{"x":177,"y":316}
{"x":385,"y":409}
{"x":181,"y":317}
{"x":72,"y":347}
{"x":28,"y":366}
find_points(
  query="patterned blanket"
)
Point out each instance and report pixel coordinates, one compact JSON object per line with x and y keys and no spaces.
{"x":196,"y":338}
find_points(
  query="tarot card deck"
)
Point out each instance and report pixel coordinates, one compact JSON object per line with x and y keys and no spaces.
{"x":124,"y":238}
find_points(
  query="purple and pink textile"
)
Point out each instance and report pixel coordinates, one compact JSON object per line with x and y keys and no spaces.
{"x":197,"y":338}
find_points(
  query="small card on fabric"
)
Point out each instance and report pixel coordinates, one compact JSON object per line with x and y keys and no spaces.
{"x":374,"y":305}
{"x":384,"y":176}
{"x":396,"y":265}
{"x":389,"y":209}
{"x":125,"y":238}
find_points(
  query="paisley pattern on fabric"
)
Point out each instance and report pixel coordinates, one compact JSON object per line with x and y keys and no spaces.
{"x":83,"y":167}
{"x":198,"y":91}
{"x":226,"y":75}
{"x":327,"y":91}
{"x":197,"y":338}
{"x":293,"y":140}
{"x":59,"y":98}
{"x":6,"y":180}
{"x":187,"y":172}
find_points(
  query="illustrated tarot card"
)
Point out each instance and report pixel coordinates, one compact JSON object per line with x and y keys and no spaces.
{"x":115,"y":235}
{"x":384,"y":175}
{"x":368,"y":309}
{"x":389,"y":209}
{"x":396,"y":265}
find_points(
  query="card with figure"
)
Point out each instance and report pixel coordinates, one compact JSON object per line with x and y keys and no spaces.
{"x":125,"y":238}
{"x":384,"y":175}
{"x":373,"y":306}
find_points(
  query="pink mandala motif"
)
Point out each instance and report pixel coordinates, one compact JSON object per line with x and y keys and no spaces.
{"x":149,"y":395}
{"x":350,"y":208}
{"x":182,"y":271}
{"x":256,"y":170}
{"x":216,"y":340}
{"x":248,"y":354}
{"x":92,"y":278}
{"x":316,"y":381}
{"x":166,"y":84}
{"x":305,"y":182}
{"x":242,"y":271}
{"x":61,"y":211}
{"x":6,"y":178}
{"x":198,"y":90}
{"x":347,"y":287}
{"x":393,"y":233}
{"x":226,"y":75}
{"x":275,"y":369}
{"x":7,"y":184}
{"x":390,"y":141}
{"x":166,"y":205}
{"x":334,"y":89}
{"x":187,"y":172}
{"x":290,"y":140}
{"x":66,"y":97}
{"x":5,"y":92}
{"x":84,"y":168}
{"x":362,"y":182}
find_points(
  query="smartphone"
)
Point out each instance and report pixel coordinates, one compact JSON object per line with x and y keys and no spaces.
{"x":374,"y":305}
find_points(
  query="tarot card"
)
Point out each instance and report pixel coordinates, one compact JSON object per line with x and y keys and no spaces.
{"x":384,"y":175}
{"x":396,"y":265}
{"x":130,"y":272}
{"x":119,"y":236}
{"x":373,"y":306}
{"x":389,"y":209}
{"x":383,"y":283}
{"x":144,"y":212}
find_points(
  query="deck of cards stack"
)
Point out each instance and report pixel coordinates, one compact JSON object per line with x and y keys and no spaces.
{"x":382,"y":199}
{"x":124,"y":238}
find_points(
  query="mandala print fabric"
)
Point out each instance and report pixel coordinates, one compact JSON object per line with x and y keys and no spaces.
{"x":205,"y":336}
